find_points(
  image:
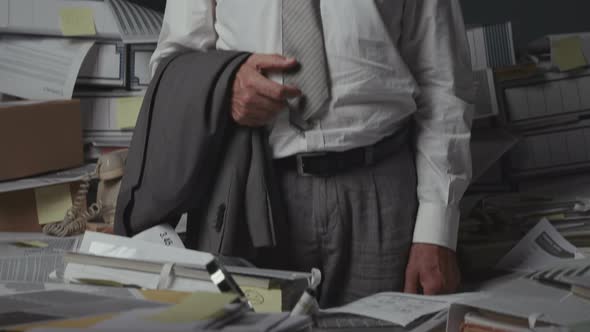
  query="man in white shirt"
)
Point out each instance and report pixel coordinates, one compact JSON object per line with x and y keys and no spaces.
{"x":379,"y":224}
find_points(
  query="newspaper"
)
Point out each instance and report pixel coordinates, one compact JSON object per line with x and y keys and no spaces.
{"x":41,"y":68}
{"x":542,"y":246}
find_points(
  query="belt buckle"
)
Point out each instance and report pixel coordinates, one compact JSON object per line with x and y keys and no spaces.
{"x":300,"y":161}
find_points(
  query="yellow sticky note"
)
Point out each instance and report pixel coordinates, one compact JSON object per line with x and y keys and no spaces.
{"x":199,"y":306}
{"x":567,"y":53}
{"x":264,"y":300}
{"x":76,"y":21}
{"x":128,"y":111}
{"x":52,"y":203}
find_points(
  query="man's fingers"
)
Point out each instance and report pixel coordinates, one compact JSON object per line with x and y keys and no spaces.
{"x":256,"y":99}
{"x":411,"y":282}
{"x":434,"y":286}
{"x":274,"y":90}
{"x":264,"y":86}
{"x":272,"y":62}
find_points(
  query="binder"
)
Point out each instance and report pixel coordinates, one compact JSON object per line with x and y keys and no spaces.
{"x":105,"y":65}
{"x":107,"y":111}
{"x":139,"y":65}
{"x":547,"y":96}
{"x":554,"y":150}
{"x":491,"y":46}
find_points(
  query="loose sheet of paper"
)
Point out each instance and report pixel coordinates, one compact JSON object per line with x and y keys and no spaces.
{"x":41,"y":69}
{"x":398,"y":308}
{"x":127,"y":111}
{"x":542,"y":246}
{"x":162,"y":234}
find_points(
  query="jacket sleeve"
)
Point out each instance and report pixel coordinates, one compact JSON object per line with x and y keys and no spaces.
{"x":434,"y":45}
{"x":188,"y":25}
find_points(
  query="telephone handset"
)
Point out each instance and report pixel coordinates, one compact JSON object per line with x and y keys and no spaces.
{"x":109,"y":172}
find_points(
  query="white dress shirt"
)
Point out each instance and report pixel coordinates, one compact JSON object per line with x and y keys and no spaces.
{"x":388,"y":60}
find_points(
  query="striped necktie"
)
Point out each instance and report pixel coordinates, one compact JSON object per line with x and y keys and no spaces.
{"x":303,"y":40}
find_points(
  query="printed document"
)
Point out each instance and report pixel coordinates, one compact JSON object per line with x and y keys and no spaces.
{"x":399,"y":308}
{"x":41,"y":69}
{"x":542,"y":246}
{"x":19,"y":262}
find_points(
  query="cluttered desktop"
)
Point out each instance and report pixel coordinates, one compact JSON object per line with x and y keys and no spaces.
{"x":80,"y":250}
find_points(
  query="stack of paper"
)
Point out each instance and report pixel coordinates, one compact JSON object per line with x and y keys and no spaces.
{"x":198,"y":312}
{"x":49,"y":305}
{"x":41,"y":59}
{"x":405,"y":310}
{"x":522,"y":303}
{"x":549,"y":108}
{"x":526,"y":300}
{"x":30,"y":257}
{"x":498,"y":222}
{"x":107,"y":258}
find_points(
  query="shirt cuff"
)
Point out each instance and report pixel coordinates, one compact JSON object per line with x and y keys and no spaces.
{"x":437,"y":224}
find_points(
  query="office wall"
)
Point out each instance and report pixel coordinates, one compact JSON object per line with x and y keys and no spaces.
{"x":531,"y":18}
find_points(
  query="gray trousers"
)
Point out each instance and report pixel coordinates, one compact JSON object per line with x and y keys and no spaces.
{"x":356,"y":227}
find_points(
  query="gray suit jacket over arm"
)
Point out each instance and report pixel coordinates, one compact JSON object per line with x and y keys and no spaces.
{"x":187,"y":155}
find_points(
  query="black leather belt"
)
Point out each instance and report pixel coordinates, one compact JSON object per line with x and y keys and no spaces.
{"x":330,"y":163}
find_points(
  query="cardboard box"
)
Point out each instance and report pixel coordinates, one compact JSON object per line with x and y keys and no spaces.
{"x":26,"y":210}
{"x":39,"y":137}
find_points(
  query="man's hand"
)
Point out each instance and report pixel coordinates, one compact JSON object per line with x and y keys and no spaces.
{"x":433,"y":268}
{"x":256,"y":99}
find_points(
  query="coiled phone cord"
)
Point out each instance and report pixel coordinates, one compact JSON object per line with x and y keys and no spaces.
{"x":78,"y":215}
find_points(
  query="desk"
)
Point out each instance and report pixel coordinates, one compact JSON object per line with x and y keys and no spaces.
{"x":362,"y":329}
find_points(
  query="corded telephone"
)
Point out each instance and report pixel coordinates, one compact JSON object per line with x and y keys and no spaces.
{"x":109,"y":172}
